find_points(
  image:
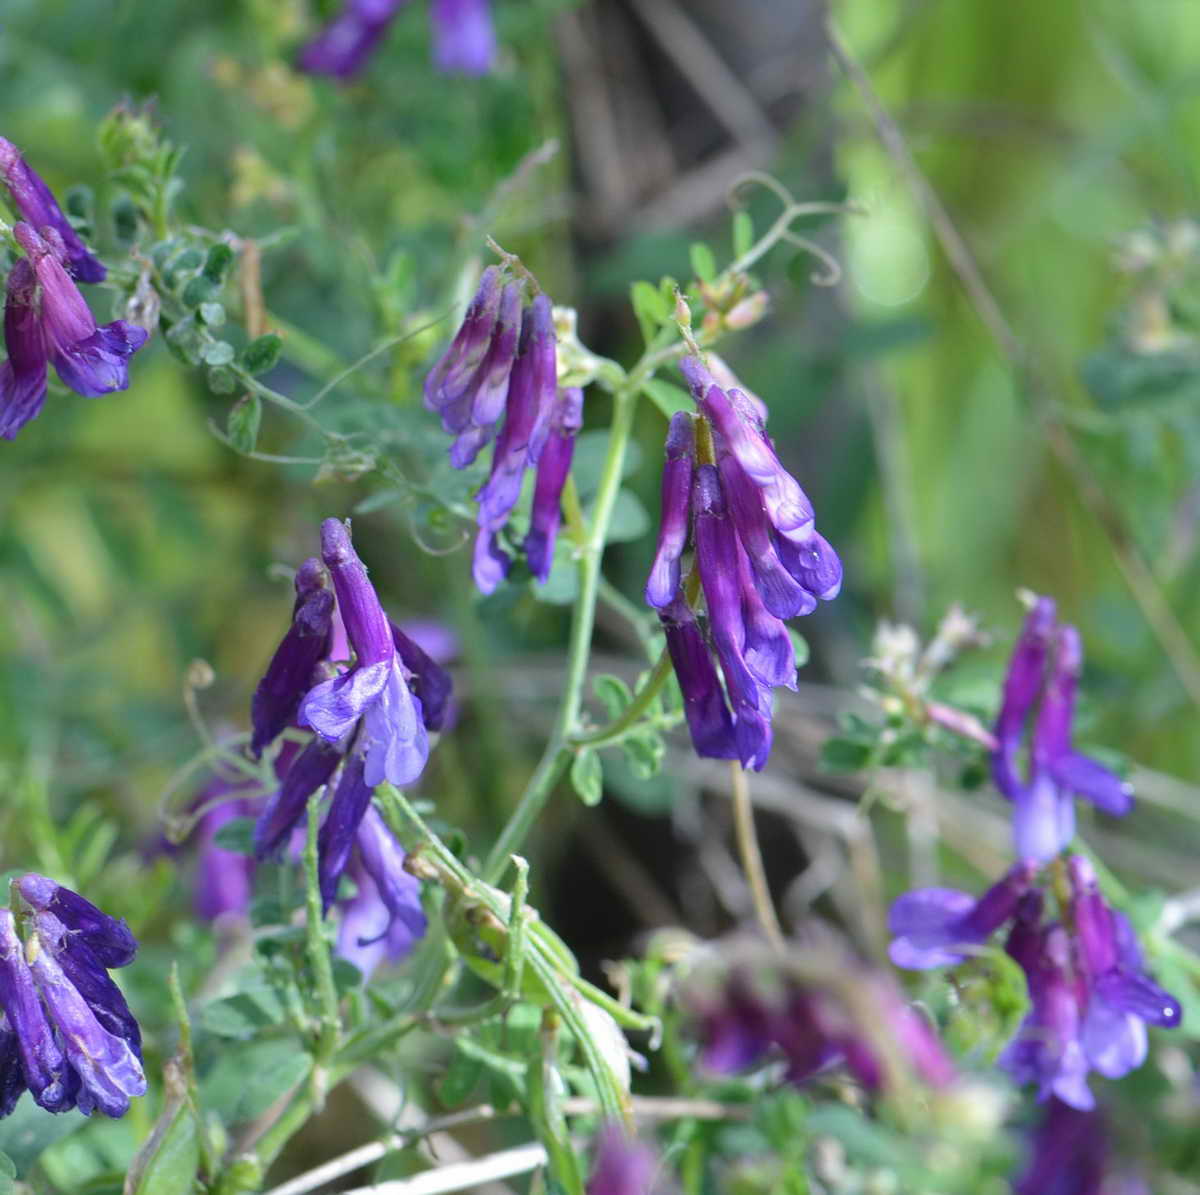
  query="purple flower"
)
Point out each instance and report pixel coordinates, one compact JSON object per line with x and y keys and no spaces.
{"x":622,"y":1166}
{"x":292,"y":670}
{"x":311,"y":769}
{"x":1070,"y":1149}
{"x":758,"y":560}
{"x":224,"y":879}
{"x":342,"y":48}
{"x":553,"y":466}
{"x":67,"y":1033}
{"x":937,"y":927}
{"x":38,"y":207}
{"x":384,"y":919}
{"x":47,"y":322}
{"x":373,"y":695}
{"x":1044,"y":673}
{"x":464,"y":40}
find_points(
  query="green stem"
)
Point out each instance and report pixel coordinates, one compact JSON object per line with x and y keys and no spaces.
{"x":632,"y":715}
{"x":319,"y":960}
{"x":557,"y":754}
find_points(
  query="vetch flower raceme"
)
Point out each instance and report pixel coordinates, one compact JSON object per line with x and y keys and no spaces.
{"x":371,"y":715}
{"x":38,"y":208}
{"x":47,"y":322}
{"x":758,"y":560}
{"x":464,"y":40}
{"x":498,"y":381}
{"x":1040,"y":686}
{"x":67,"y":1033}
{"x":1090,"y":996}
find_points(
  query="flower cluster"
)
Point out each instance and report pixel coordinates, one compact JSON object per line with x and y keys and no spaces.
{"x":66,"y":1032}
{"x":46,"y":320}
{"x":1039,"y":688}
{"x":758,"y":560}
{"x":464,"y":40}
{"x":370,"y":694}
{"x":499,"y":380}
{"x":750,"y":1005}
{"x":1090,"y":996}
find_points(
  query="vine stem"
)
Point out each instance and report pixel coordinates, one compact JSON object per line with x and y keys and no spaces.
{"x":558,"y":750}
{"x":632,"y":714}
{"x":751,"y":856}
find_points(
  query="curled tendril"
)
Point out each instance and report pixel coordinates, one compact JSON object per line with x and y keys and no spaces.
{"x":418,"y":528}
{"x":831,"y":272}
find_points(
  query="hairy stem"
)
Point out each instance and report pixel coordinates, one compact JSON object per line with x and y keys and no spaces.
{"x":751,"y":856}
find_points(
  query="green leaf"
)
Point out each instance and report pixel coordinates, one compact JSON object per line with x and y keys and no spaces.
{"x":256,"y":1007}
{"x":169,"y":1160}
{"x":216,"y":265}
{"x":245,"y":1082}
{"x":29,"y":1130}
{"x":217,"y":352}
{"x":800,"y":646}
{"x":613,"y":693}
{"x":461,"y":1078}
{"x":704,"y":264}
{"x":222,"y":379}
{"x":743,"y":233}
{"x":1120,"y":377}
{"x":587,"y":776}
{"x":844,"y":755}
{"x":199,"y":290}
{"x":645,"y":751}
{"x":630,"y":519}
{"x":649,"y":308}
{"x":245,"y":417}
{"x":667,"y":397}
{"x":213,"y":314}
{"x":236,"y":835}
{"x":8,"y":1172}
{"x":262,"y":354}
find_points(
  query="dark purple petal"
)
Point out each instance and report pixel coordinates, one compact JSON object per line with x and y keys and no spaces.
{"x":108,"y":1067}
{"x":45,"y":1066}
{"x":798,"y":1029}
{"x":1141,"y":996}
{"x":488,"y":390}
{"x":552,"y":470}
{"x":289,"y":675}
{"x":38,"y":207}
{"x":717,"y":563}
{"x":366,"y":624}
{"x":769,"y":652}
{"x":23,"y":375}
{"x":1095,"y":927}
{"x":781,"y":593}
{"x":430,"y":683}
{"x":343,"y":46}
{"x":916,"y":1037}
{"x":464,"y":40}
{"x":1086,"y":778}
{"x":1024,"y":941}
{"x":12,"y":1077}
{"x":621,"y":1165}
{"x":786,"y":504}
{"x":336,"y":837}
{"x":452,"y":375}
{"x":65,"y":316}
{"x":109,"y":938}
{"x":90,"y":979}
{"x":1022,"y":685}
{"x":1069,"y":1152}
{"x":21,"y":397}
{"x":663,"y":583}
{"x":99,"y":364}
{"x":393,"y":734}
{"x":310,"y":769}
{"x":708,"y":719}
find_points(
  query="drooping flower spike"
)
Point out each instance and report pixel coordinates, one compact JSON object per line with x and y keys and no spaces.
{"x":498,"y":381}
{"x":1040,"y":688}
{"x":38,"y":208}
{"x":758,"y":560}
{"x":47,"y":322}
{"x":367,"y":691}
{"x":464,"y":40}
{"x":66,"y":1033}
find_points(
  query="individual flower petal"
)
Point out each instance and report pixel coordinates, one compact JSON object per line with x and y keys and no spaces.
{"x":814,"y":564}
{"x":109,"y":938}
{"x":1140,"y":995}
{"x":12,"y":1077}
{"x":704,"y":706}
{"x":382,"y":859}
{"x":1085,"y":777}
{"x":45,"y":1066}
{"x":1043,"y":819}
{"x":490,"y":562}
{"x":769,"y":652}
{"x":366,"y":624}
{"x":23,"y":375}
{"x":621,"y":1166}
{"x":454,"y":371}
{"x":334,"y":707}
{"x":1113,"y":1041}
{"x":99,"y":364}
{"x":38,"y":207}
{"x":1022,"y":685}
{"x":663,"y":583}
{"x":552,"y":470}
{"x":336,"y":836}
{"x":464,"y":39}
{"x":225,"y":879}
{"x":289,"y":675}
{"x":343,"y":46}
{"x":1069,"y":1151}
{"x":393,"y":734}
{"x":310,"y":769}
